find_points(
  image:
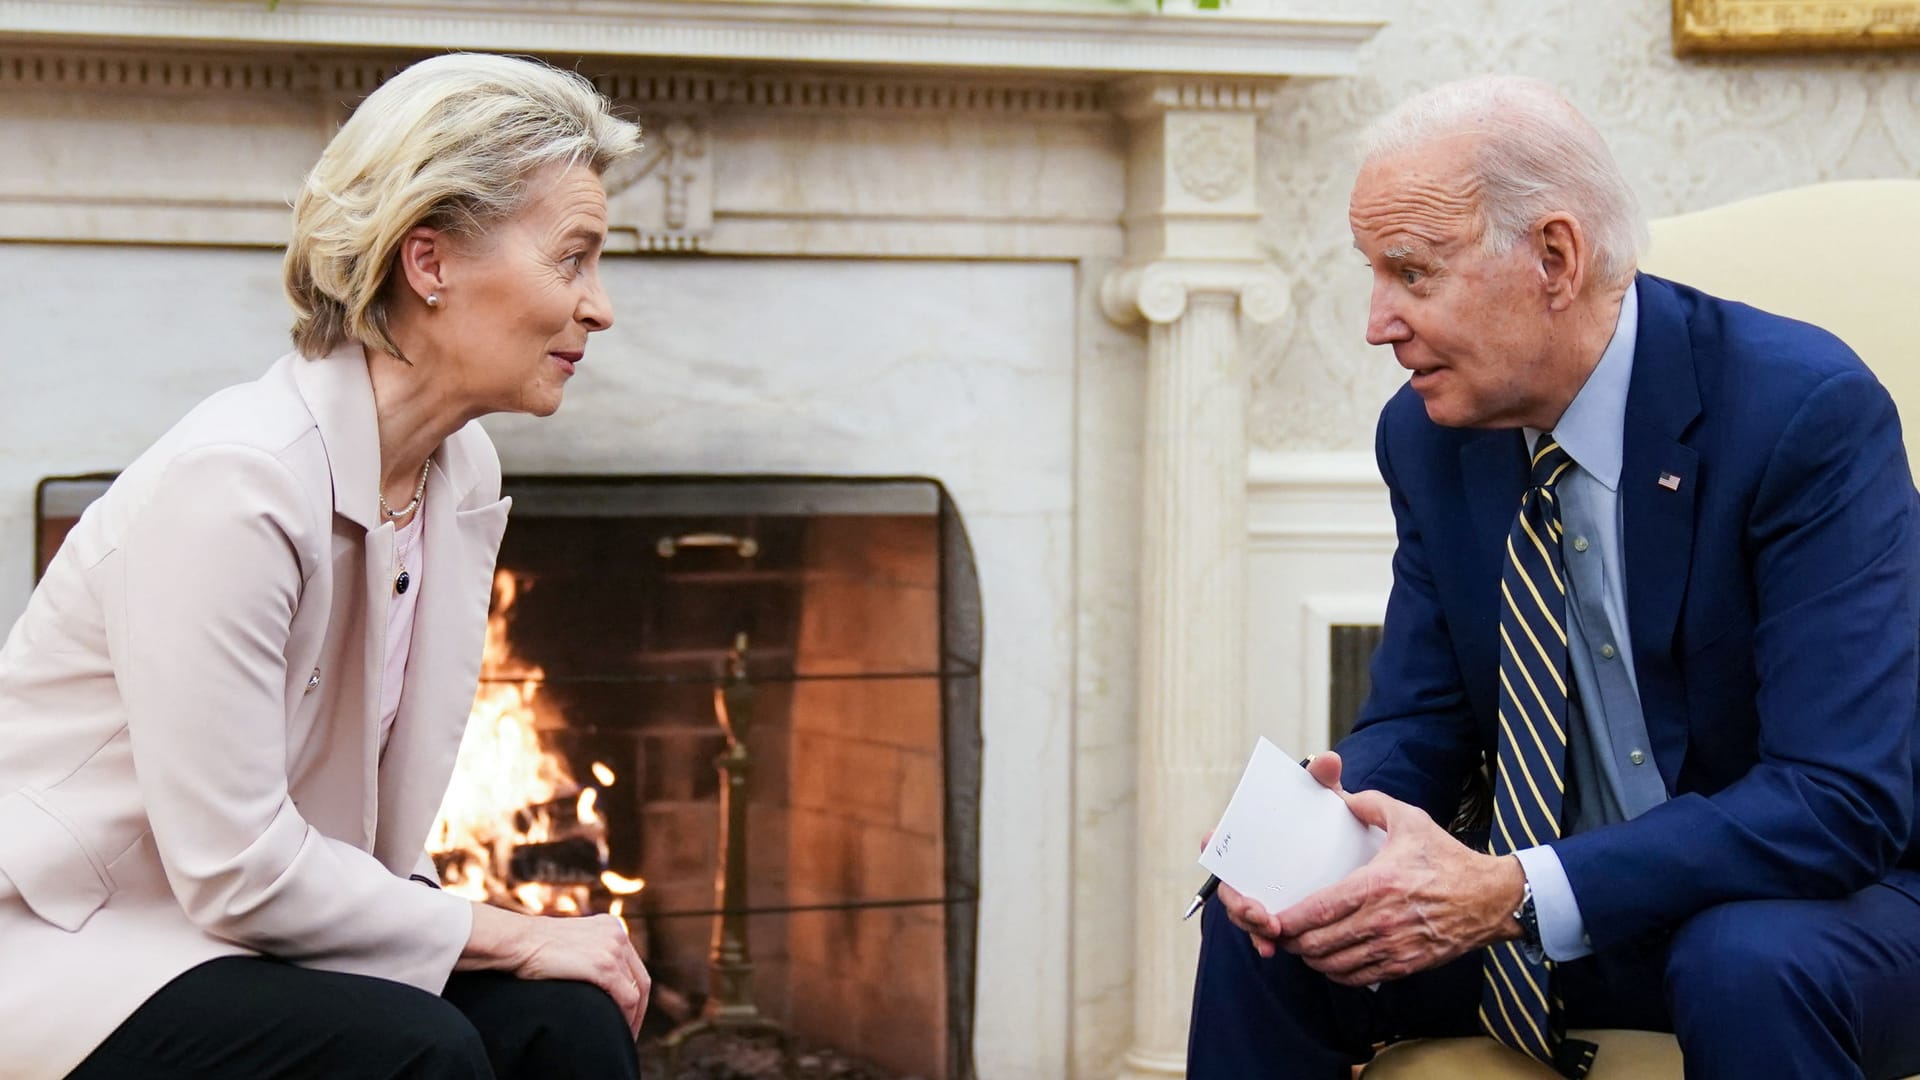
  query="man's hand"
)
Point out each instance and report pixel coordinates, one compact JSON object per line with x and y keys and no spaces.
{"x":1423,"y":900}
{"x":1247,"y":914}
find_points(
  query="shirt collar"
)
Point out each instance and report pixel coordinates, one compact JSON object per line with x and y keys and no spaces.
{"x":1593,"y":429}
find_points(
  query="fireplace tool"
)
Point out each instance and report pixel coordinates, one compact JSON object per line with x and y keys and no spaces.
{"x":730,"y":1006}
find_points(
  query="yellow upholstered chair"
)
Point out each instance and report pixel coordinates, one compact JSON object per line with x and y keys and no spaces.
{"x":1834,"y":255}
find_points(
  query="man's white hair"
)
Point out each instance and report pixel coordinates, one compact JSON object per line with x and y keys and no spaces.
{"x":1535,"y":155}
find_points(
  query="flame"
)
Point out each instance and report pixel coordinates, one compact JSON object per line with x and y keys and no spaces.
{"x":509,"y":791}
{"x":620,"y":884}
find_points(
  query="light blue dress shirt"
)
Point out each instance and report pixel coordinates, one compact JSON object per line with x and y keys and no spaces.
{"x":1610,"y":769}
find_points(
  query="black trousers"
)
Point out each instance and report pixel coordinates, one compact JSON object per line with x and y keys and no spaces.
{"x":247,"y":1018}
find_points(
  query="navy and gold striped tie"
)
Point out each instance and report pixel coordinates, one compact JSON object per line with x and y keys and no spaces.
{"x":1518,"y":1005}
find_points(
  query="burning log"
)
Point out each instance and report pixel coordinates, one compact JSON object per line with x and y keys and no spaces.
{"x":576,"y":860}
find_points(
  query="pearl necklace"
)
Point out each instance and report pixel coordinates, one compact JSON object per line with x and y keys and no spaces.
{"x":403,"y":579}
{"x":417,"y":492}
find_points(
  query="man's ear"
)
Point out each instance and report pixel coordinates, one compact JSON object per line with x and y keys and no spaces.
{"x":421,"y":253}
{"x":1561,"y":246}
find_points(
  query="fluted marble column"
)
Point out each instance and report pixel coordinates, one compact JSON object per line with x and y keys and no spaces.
{"x":1190,"y":740}
{"x":1192,"y":218}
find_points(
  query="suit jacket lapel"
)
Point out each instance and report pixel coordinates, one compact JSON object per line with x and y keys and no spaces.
{"x":1493,"y":467}
{"x":461,"y":537}
{"x":1659,"y":478}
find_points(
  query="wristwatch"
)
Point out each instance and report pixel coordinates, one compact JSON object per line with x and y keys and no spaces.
{"x":1529,"y":921}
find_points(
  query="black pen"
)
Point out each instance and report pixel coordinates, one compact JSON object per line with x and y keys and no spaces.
{"x":1201,"y":897}
{"x":1213,"y":883}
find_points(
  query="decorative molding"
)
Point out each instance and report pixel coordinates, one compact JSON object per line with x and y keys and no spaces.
{"x":215,"y":72}
{"x":1158,"y":291}
{"x":261,"y":87}
{"x":275,"y":110}
{"x":1319,"y":614}
{"x":1211,"y":162}
{"x":926,"y":38}
{"x":859,"y":93}
{"x":1153,"y":95}
{"x":663,"y":199}
{"x":1350,"y":471}
{"x":186,"y":73}
{"x":1317,"y":499}
{"x":1193,"y":149}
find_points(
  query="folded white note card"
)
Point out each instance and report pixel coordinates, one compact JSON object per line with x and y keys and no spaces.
{"x":1284,"y":836}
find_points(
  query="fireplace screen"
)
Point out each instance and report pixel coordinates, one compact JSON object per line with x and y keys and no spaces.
{"x":742,"y":714}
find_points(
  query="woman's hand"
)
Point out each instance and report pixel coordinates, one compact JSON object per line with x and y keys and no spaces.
{"x":593,"y":950}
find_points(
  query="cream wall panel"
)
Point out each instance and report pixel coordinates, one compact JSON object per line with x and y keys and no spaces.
{"x":1319,"y":553}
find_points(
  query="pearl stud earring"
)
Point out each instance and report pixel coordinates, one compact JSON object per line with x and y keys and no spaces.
{"x":433,"y":299}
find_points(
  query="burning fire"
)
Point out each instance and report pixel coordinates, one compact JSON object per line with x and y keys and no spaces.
{"x":516,"y":829}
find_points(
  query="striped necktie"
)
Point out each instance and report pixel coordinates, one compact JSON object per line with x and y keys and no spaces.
{"x":1518,"y":1005}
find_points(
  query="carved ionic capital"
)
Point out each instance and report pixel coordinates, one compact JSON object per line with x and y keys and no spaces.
{"x":1157,"y":292}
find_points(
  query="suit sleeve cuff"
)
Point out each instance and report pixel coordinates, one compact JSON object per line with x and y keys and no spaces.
{"x":1563,"y":933}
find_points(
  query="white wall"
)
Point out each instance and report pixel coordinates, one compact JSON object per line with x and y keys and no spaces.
{"x":103,"y":349}
{"x":1319,"y":551}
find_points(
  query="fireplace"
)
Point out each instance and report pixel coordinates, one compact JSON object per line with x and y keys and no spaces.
{"x":823,"y":636}
{"x":915,"y":240}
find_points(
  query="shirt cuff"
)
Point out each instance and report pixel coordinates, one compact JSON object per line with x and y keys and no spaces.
{"x":1563,"y":933}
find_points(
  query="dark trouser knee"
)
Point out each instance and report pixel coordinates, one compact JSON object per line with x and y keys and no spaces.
{"x":439,"y":1044}
{"x":550,"y":1030}
{"x":1750,"y":996}
{"x":243,"y":1016}
{"x":1259,"y":1017}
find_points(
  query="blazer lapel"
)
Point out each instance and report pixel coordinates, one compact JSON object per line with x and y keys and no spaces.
{"x":339,"y":395}
{"x":1493,"y":467}
{"x":1659,"y":479}
{"x":461,"y":538}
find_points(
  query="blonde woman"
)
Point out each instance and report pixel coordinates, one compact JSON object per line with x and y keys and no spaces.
{"x":230,"y":710}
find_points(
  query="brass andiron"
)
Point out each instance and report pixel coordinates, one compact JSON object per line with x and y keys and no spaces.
{"x":730,"y":1004}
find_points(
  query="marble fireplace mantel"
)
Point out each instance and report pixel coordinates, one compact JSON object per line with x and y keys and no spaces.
{"x":916,"y":37}
{"x":1105,"y":160}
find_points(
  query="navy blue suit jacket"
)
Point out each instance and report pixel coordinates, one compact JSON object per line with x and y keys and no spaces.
{"x":1773,"y":603}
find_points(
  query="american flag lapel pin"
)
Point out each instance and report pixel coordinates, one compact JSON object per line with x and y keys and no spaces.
{"x":1669,"y":481}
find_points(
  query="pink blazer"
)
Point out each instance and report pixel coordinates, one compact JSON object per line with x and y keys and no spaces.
{"x":189,"y":761}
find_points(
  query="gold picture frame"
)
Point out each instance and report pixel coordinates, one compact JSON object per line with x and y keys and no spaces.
{"x":1710,"y":26}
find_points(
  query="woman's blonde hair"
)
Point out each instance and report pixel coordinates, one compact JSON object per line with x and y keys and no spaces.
{"x":450,"y":142}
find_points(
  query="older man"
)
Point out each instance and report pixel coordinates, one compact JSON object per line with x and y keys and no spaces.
{"x":1658,"y":569}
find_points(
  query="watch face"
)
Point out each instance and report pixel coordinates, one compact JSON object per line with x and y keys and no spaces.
{"x":1528,"y":919}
